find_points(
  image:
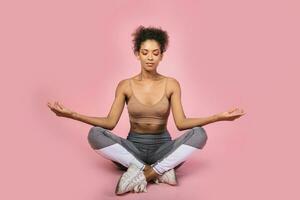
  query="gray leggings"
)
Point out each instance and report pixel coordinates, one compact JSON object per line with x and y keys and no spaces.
{"x":158,"y":150}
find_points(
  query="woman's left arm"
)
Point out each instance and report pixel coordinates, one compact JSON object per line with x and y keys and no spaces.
{"x":183,"y":123}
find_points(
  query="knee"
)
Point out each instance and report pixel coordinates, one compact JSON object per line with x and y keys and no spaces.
{"x":199,"y":137}
{"x":95,"y":133}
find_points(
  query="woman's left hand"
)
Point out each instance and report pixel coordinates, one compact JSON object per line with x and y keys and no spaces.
{"x":231,"y":114}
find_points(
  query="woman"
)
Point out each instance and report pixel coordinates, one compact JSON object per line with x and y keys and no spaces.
{"x":148,"y":153}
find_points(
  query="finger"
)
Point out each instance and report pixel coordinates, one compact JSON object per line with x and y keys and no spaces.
{"x":237,"y":115}
{"x":51,"y":106}
{"x":232,"y":110}
{"x":241,"y":111}
{"x":238,"y":110}
{"x":229,"y":110}
{"x":59,"y":105}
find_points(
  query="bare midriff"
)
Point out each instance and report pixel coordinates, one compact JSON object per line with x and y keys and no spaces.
{"x":147,"y":128}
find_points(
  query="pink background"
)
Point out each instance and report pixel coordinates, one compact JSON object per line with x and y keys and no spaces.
{"x":224,"y":54}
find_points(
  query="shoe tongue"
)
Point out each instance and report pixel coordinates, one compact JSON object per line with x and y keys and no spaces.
{"x":132,"y":168}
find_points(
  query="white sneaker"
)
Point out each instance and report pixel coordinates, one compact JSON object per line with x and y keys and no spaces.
{"x":140,"y":187}
{"x":132,"y":180}
{"x":169,"y":177}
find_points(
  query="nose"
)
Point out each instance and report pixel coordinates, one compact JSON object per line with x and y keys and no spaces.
{"x":150,"y":57}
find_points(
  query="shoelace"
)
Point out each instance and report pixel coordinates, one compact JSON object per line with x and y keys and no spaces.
{"x":140,"y":187}
{"x":127,"y":174}
{"x":138,"y":179}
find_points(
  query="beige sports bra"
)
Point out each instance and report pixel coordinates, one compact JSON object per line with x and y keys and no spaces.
{"x":152,"y":114}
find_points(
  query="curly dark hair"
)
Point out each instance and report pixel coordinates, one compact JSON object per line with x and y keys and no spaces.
{"x":144,"y":33}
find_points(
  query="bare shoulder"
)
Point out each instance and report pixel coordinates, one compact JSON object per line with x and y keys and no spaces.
{"x":173,"y":84}
{"x":172,"y":80}
{"x":122,"y":86}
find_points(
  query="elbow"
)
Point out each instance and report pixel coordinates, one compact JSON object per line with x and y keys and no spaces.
{"x":180,"y":129}
{"x":180,"y":125}
{"x":111,"y":126}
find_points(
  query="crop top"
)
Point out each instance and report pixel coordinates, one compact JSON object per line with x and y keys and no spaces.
{"x":152,"y":114}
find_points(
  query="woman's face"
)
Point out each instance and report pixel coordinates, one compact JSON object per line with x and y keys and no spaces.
{"x":149,"y":55}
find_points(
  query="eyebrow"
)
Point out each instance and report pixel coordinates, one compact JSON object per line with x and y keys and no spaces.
{"x":148,"y":50}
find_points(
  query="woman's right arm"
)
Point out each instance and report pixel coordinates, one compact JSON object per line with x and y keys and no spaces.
{"x":108,"y":122}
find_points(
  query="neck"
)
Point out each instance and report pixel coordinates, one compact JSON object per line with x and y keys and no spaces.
{"x":149,"y":75}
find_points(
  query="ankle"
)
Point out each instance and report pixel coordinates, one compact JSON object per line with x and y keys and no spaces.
{"x":147,"y":167}
{"x":150,"y":174}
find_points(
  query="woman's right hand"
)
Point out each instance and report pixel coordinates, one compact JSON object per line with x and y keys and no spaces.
{"x":60,"y":110}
